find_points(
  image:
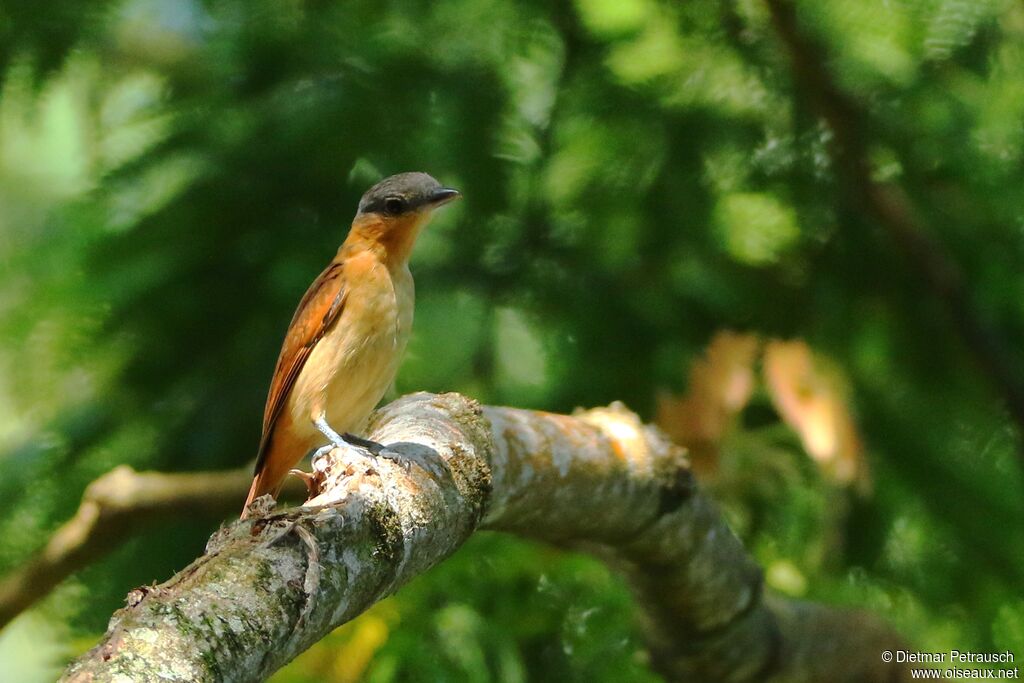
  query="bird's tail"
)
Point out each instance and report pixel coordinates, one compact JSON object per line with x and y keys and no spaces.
{"x":272,"y":467}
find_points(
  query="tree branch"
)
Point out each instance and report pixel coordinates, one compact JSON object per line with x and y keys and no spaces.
{"x":890,"y":207}
{"x":268,"y":588}
{"x":114,"y":507}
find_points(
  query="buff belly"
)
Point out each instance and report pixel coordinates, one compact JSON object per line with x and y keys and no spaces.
{"x":355,"y":363}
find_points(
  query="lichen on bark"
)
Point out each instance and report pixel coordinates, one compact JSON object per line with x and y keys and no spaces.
{"x":270,"y":586}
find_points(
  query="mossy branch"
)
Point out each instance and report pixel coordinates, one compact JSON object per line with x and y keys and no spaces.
{"x":269,"y":587}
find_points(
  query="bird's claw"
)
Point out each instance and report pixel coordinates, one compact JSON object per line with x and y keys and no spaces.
{"x":364,"y":448}
{"x":324,"y":450}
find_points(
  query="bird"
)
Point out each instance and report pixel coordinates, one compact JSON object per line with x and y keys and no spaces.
{"x":343,"y":347}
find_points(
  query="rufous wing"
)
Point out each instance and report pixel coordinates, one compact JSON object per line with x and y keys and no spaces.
{"x":317,"y":311}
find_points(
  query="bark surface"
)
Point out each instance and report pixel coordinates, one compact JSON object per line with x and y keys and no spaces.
{"x":269,"y":587}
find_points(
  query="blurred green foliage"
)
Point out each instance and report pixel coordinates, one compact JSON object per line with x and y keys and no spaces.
{"x":637,"y":175}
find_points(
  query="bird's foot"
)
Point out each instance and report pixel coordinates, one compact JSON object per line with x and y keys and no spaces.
{"x":362,"y":449}
{"x":318,"y":459}
{"x":324,"y":450}
{"x":353,"y":453}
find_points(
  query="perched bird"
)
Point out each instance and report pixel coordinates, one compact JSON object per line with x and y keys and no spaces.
{"x":347,"y":337}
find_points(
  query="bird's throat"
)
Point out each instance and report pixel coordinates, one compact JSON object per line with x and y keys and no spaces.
{"x":391,"y":239}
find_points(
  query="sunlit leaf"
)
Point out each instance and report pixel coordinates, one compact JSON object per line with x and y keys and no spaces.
{"x":811,"y":398}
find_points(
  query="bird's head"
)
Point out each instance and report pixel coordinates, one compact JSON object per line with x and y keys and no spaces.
{"x":393,"y":211}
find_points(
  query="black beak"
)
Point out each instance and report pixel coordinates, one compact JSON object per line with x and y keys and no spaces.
{"x":442,"y":195}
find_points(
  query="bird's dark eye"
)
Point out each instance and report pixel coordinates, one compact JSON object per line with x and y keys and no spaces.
{"x":393,"y":206}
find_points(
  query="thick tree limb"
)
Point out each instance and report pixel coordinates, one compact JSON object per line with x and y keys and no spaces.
{"x":270,"y":587}
{"x":888,"y":205}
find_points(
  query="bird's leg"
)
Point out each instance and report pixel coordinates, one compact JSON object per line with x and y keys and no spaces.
{"x":334,"y":437}
{"x":364,"y":447}
{"x":361,"y":447}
